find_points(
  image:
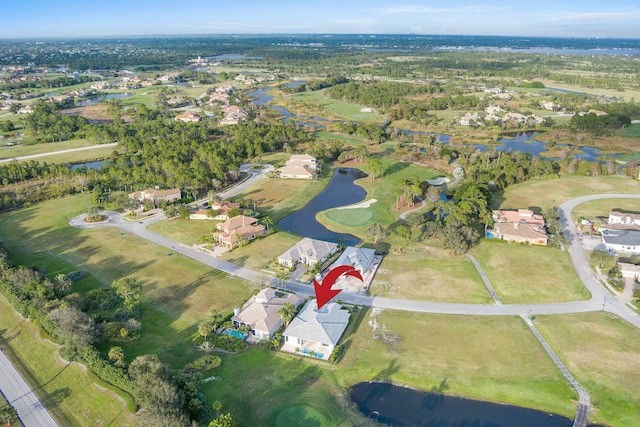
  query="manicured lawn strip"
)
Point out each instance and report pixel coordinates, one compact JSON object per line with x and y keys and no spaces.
{"x":177,"y":292}
{"x":524,"y":274}
{"x":187,"y":231}
{"x":257,"y":386}
{"x":383,"y":190}
{"x":280,"y":197}
{"x":630,"y":131}
{"x":602,"y":208}
{"x":603,"y":353}
{"x":309,"y":103}
{"x":486,"y":358}
{"x":540,"y":195}
{"x":65,"y":389}
{"x":429,"y":274}
{"x":260,"y":252}
{"x":28,"y":150}
{"x":351,"y":140}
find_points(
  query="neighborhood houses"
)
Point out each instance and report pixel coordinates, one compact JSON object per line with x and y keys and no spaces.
{"x":219,"y":211}
{"x":189,"y":117}
{"x":315,"y":332}
{"x":260,"y":314}
{"x":237,"y":231}
{"x":621,"y":233}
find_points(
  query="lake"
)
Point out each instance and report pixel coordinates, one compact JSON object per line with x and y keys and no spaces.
{"x":94,"y":100}
{"x":89,"y":165}
{"x":400,"y":406}
{"x":340,"y":191}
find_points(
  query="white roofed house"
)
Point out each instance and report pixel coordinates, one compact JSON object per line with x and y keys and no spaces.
{"x":308,"y":252}
{"x":260,"y":313}
{"x":622,"y":232}
{"x":300,"y":166}
{"x":316,"y":332}
{"x":362,"y":259}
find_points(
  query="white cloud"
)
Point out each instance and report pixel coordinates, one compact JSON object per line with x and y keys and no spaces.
{"x":418,"y":9}
{"x":600,"y":16}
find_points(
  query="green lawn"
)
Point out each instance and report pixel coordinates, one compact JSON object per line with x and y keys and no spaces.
{"x":383,"y":190}
{"x":602,"y":208}
{"x":540,"y":195}
{"x":487,"y":358}
{"x":66,"y":389}
{"x":177,"y":292}
{"x":603,"y":353}
{"x":515,"y":271}
{"x":257,"y":254}
{"x":332,"y":108}
{"x":350,"y":140}
{"x":187,"y":231}
{"x":429,"y":273}
{"x":28,"y":150}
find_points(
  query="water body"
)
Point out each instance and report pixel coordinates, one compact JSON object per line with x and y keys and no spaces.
{"x":232,"y":57}
{"x":399,"y":406}
{"x":264,"y":98}
{"x":89,"y":165}
{"x":340,"y":191}
{"x":96,"y":99}
{"x":295,"y":84}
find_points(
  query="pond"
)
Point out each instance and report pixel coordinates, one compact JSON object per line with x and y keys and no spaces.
{"x":264,"y":99}
{"x":89,"y":165}
{"x":96,"y":99}
{"x":340,"y":191}
{"x":399,"y":406}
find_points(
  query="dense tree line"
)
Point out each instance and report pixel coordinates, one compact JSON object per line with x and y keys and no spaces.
{"x":598,"y":125}
{"x":48,"y":125}
{"x":379,"y":94}
{"x":49,"y":83}
{"x":316,"y":84}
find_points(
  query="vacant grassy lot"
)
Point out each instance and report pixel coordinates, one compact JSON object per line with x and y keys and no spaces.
{"x":602,"y":208}
{"x":603,"y":353}
{"x":318,"y":104}
{"x":257,"y":254}
{"x":430,"y":274}
{"x":29,"y":150}
{"x":540,"y":195}
{"x":65,"y":389}
{"x":280,"y":197}
{"x":632,"y":131}
{"x":347,"y":139}
{"x":177,"y":292}
{"x":184,"y":230}
{"x":487,"y":358}
{"x":515,"y":271}
{"x":383,"y":190}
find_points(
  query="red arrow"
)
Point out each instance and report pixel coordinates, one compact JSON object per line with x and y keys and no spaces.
{"x":324,"y":293}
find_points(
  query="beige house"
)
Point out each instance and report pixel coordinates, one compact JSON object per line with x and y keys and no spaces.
{"x":317,"y":331}
{"x":308,"y":252}
{"x":299,"y":166}
{"x":220,"y":211}
{"x":621,"y":221}
{"x":155,"y":195}
{"x":233,"y":231}
{"x":260,"y":313}
{"x":520,"y":226}
{"x":630,"y":271}
{"x":189,"y":117}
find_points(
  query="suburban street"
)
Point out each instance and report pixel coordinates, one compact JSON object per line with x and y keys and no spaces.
{"x":70,"y":150}
{"x":31,"y":411}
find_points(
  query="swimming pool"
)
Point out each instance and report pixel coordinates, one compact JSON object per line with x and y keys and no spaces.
{"x":490,"y":235}
{"x":235,"y":334}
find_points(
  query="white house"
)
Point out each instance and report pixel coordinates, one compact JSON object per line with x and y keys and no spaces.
{"x":362,"y":259}
{"x":316,"y":331}
{"x":622,"y":241}
{"x":623,"y":220}
{"x":308,"y":252}
{"x":630,"y":271}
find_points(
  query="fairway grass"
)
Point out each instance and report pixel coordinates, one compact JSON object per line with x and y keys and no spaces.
{"x":29,"y":150}
{"x":541,"y":195}
{"x":65,"y":389}
{"x":318,"y":104}
{"x":516,"y":273}
{"x":177,"y":292}
{"x":426,"y":273}
{"x":186,"y":231}
{"x":603,"y":353}
{"x":487,"y":358}
{"x":260,"y":252}
{"x":602,"y":208}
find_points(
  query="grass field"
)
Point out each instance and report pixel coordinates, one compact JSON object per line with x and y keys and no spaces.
{"x":29,"y":150}
{"x":177,"y":292}
{"x":632,"y":131}
{"x":258,"y":253}
{"x":382,"y":189}
{"x":428,"y":273}
{"x":486,"y":358}
{"x":318,"y":104}
{"x":66,"y":389}
{"x":346,"y":139}
{"x":602,"y":208}
{"x":184,"y":230}
{"x":540,"y":195}
{"x":515,"y":273}
{"x":603,"y":354}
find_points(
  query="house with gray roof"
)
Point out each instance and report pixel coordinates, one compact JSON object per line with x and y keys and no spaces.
{"x":622,"y":241}
{"x":316,"y":332}
{"x":359,"y":258}
{"x":308,"y":252}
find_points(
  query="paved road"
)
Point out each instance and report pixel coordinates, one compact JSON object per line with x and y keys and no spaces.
{"x":403,"y":215}
{"x":51,"y":153}
{"x":485,"y":279}
{"x":31,"y":411}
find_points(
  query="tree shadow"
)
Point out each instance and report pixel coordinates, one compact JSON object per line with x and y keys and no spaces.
{"x":385,"y":374}
{"x":239,"y":260}
{"x":396,"y":167}
{"x":56,"y":397}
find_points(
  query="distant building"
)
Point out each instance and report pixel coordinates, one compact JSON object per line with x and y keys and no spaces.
{"x":189,"y":117}
{"x":299,"y":166}
{"x":155,"y":195}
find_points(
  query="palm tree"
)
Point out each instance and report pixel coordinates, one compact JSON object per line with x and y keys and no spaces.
{"x":287,"y":313}
{"x":206,"y":327}
{"x":266,"y":220}
{"x":282,"y":277}
{"x":215,"y":317}
{"x":62,"y":283}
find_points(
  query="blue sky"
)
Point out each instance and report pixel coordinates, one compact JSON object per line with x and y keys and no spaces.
{"x":80,"y":18}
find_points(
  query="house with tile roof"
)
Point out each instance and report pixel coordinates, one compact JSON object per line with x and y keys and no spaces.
{"x":308,"y":252}
{"x":316,"y":332}
{"x":155,"y":195}
{"x":521,"y":233}
{"x":260,"y":313}
{"x":189,"y":117}
{"x":232,"y":232}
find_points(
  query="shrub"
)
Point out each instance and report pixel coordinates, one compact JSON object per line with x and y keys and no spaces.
{"x":617,"y":284}
{"x":102,"y":299}
{"x":335,"y":354}
{"x":204,"y":363}
{"x":76,"y":276}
